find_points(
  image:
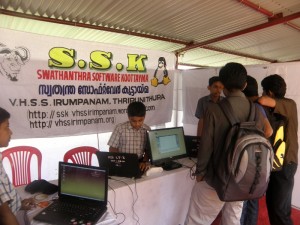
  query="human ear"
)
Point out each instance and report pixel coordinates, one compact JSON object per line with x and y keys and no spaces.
{"x":244,"y":86}
{"x":270,"y":94}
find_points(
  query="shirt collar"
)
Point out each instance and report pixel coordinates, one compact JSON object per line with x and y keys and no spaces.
{"x":236,"y":94}
{"x":209,"y":98}
{"x":129,"y":127}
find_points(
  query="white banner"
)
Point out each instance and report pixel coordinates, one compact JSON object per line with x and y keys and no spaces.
{"x":194,"y":87}
{"x":59,"y":87}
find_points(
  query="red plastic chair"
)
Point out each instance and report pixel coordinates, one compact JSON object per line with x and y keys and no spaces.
{"x":80,"y":155}
{"x":20,"y":160}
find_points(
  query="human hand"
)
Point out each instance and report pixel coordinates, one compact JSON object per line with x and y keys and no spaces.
{"x":199,"y":178}
{"x":28,"y":204}
{"x":144,"y":166}
{"x":267,"y":101}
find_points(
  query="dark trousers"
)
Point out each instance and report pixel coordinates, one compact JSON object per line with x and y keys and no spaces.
{"x":279,"y":195}
{"x":250,"y":212}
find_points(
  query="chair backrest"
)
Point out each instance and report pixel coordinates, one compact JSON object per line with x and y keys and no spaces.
{"x":20,"y":160}
{"x":80,"y":155}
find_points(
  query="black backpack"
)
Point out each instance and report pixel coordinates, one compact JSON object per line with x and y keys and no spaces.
{"x":278,"y":138}
{"x":246,"y":159}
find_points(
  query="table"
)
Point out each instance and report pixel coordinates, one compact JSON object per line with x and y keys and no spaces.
{"x":159,"y":199}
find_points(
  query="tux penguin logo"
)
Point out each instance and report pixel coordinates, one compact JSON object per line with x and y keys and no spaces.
{"x":12,"y":60}
{"x":161,"y":75}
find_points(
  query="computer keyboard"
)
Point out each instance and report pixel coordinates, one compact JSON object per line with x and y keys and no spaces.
{"x":70,"y":213}
{"x":171,"y":165}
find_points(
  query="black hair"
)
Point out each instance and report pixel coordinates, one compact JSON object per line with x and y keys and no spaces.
{"x":233,"y":76}
{"x":136,"y":109}
{"x":251,"y":88}
{"x":4,"y":115}
{"x":213,"y":80}
{"x":275,"y":84}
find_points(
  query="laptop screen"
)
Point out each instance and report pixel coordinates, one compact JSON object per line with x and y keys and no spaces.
{"x":83,"y":181}
{"x":120,"y":164}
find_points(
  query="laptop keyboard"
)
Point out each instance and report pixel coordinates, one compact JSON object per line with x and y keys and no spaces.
{"x":71,"y":213}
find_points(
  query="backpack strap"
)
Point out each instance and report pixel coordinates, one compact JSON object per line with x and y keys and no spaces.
{"x":252,"y":111}
{"x":228,"y":111}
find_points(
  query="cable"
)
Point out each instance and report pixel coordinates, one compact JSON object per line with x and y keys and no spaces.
{"x":135,"y":215}
{"x":192,"y":168}
{"x":113,"y":208}
{"x":116,"y":214}
{"x":98,"y":140}
{"x":192,"y":172}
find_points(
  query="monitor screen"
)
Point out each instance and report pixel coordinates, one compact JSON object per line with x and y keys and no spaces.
{"x":166,"y":144}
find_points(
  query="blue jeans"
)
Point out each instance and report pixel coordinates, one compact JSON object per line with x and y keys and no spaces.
{"x":279,"y":195}
{"x":250,"y":212}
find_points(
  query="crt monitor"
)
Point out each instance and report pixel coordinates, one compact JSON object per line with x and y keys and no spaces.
{"x":165,"y":145}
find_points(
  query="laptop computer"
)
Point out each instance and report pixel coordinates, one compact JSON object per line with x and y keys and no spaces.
{"x":82,"y":196}
{"x":192,"y":145}
{"x":120,"y":164}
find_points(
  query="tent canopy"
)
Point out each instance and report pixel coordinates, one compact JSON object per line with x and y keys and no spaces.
{"x":202,"y":33}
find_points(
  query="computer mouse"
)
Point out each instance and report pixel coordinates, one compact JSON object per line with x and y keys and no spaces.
{"x":154,"y":170}
{"x":33,"y":187}
{"x":42,"y":186}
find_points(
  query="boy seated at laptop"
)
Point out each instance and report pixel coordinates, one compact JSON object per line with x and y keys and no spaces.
{"x":131,"y":136}
{"x":11,"y":206}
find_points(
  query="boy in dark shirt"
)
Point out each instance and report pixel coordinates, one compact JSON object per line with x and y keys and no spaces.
{"x":279,"y":192}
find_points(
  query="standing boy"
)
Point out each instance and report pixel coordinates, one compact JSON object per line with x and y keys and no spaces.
{"x":215,"y":88}
{"x":11,"y":205}
{"x":280,"y":188}
{"x":205,"y":204}
{"x":250,"y":208}
{"x":131,"y":136}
